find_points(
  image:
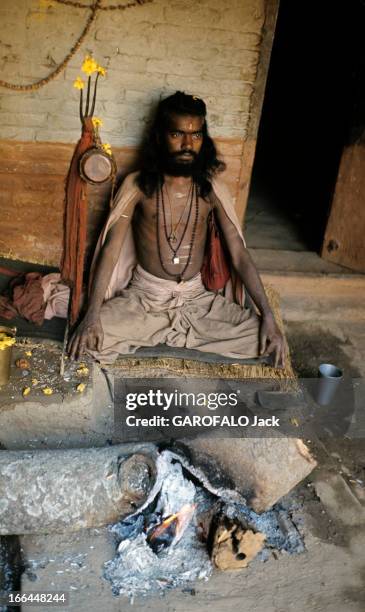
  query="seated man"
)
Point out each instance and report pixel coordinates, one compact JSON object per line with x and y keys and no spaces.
{"x":146,"y":285}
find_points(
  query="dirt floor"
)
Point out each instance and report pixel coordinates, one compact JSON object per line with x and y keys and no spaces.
{"x":329,"y":512}
{"x":328,"y":576}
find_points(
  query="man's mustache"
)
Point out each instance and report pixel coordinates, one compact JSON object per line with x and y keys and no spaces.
{"x":186,"y":152}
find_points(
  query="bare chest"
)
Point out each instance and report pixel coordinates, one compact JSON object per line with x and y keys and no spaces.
{"x":173,"y":216}
{"x":170,"y":234}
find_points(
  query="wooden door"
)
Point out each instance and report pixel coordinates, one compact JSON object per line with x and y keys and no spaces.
{"x":344,"y":239}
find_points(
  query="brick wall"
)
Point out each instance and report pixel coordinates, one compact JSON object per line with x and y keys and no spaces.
{"x":210,"y":48}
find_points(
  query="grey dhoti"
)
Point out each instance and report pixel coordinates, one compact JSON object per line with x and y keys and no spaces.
{"x":155,"y":311}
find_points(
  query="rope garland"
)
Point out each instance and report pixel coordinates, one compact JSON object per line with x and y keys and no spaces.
{"x":113,"y":7}
{"x":95,"y":7}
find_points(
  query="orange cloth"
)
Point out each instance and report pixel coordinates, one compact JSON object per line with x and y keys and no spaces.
{"x":72,"y":263}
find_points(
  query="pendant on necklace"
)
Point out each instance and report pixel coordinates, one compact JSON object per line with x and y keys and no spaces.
{"x":176,"y":260}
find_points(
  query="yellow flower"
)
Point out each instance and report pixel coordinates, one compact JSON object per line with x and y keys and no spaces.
{"x":89,"y":65}
{"x":5,"y":341}
{"x":107,"y":148}
{"x":79,"y":83}
{"x":101,"y":70}
{"x":97,"y":122}
{"x":26,"y":391}
{"x":81,"y":388}
{"x":47,"y":391}
{"x":82,"y":370}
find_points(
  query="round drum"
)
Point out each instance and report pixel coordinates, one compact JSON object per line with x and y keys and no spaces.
{"x":96,"y":166}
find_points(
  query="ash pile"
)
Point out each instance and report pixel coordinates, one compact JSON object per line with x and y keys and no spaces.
{"x":177,"y":513}
{"x":194,"y":521}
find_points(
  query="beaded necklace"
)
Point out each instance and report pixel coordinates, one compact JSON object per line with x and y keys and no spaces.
{"x":176,"y":259}
{"x":172,"y":237}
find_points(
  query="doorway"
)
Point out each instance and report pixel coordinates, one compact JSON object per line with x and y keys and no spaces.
{"x":304,"y":123}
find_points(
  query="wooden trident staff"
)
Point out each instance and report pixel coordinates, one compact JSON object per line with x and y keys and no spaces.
{"x":75,"y":218}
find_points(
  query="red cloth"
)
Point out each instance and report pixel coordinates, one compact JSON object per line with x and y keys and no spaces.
{"x":72,"y":263}
{"x":25,"y":298}
{"x":215,"y":269}
{"x":7,"y":310}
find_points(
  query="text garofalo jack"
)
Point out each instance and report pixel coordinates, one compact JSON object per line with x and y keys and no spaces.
{"x":192,"y":402}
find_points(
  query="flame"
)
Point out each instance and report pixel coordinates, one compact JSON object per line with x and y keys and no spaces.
{"x":181,"y":518}
{"x":163,"y":526}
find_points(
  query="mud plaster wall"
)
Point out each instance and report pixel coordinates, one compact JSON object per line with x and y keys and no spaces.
{"x":209,"y":48}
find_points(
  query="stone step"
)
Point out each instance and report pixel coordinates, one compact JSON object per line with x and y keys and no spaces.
{"x":309,"y":262}
{"x":310,"y":297}
{"x":311,"y":288}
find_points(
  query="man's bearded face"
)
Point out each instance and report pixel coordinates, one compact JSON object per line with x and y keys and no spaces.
{"x":183,"y":143}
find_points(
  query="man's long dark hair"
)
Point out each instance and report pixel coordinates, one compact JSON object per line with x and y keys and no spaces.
{"x":153,"y":151}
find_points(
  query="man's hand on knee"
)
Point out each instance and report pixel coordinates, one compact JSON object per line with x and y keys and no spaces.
{"x":88,"y":335}
{"x":272,"y":340}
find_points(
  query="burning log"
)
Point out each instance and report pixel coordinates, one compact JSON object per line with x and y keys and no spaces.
{"x":67,"y":490}
{"x":262,"y":470}
{"x":171,"y":530}
{"x":162,"y":535}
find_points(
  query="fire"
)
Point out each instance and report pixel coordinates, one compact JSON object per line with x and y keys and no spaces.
{"x":159,"y":529}
{"x":171,"y":530}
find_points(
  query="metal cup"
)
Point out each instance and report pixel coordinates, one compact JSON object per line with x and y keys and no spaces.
{"x":5,"y":356}
{"x":330,"y":377}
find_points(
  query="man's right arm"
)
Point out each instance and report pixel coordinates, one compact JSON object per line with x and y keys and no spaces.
{"x":89,"y":333}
